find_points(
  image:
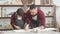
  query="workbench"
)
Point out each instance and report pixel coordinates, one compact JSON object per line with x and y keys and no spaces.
{"x":29,"y":32}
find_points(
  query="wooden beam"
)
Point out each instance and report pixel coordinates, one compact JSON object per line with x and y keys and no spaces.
{"x":5,"y":17}
{"x":10,"y":17}
{"x":25,"y":5}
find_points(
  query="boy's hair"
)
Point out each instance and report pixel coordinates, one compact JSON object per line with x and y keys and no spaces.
{"x":20,"y":12}
{"x":33,"y":6}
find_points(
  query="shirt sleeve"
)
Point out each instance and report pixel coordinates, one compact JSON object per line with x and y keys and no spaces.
{"x":25,"y":18}
{"x":13,"y":17}
{"x":42,"y":17}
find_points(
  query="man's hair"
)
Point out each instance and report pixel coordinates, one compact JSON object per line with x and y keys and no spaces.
{"x":33,"y":6}
{"x":20,"y":11}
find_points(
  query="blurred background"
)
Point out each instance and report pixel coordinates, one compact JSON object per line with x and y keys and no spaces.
{"x":51,"y":9}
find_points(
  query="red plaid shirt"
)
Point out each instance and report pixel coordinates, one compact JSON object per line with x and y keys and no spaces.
{"x":41,"y":17}
{"x":13,"y":17}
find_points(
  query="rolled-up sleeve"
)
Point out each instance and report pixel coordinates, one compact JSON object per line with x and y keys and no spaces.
{"x":42,"y":17}
{"x":13,"y":17}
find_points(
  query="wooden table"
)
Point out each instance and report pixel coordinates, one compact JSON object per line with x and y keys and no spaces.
{"x":35,"y":31}
{"x":41,"y":32}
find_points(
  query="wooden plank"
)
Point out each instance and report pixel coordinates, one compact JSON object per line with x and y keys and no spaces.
{"x":5,"y":17}
{"x":48,"y":16}
{"x":10,"y":17}
{"x":27,"y":5}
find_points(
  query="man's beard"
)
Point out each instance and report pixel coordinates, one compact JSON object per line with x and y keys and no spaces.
{"x":33,"y":15}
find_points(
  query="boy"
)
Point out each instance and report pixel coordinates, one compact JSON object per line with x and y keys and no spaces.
{"x":16,"y":19}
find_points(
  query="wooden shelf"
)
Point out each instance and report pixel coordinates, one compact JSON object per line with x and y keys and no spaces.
{"x":27,"y":5}
{"x":5,"y":17}
{"x":49,"y":16}
{"x":10,"y":17}
{"x":5,"y":29}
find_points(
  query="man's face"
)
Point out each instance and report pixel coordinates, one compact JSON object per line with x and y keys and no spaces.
{"x":33,"y":12}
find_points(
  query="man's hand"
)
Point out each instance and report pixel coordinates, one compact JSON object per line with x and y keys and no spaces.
{"x":42,"y":27}
{"x":27,"y":27}
{"x":17,"y":27}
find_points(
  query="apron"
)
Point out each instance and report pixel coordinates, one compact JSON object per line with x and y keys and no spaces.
{"x":19,"y":22}
{"x":35,"y":22}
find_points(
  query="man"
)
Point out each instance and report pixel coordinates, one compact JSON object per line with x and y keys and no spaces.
{"x":34,"y":17}
{"x":16,"y":19}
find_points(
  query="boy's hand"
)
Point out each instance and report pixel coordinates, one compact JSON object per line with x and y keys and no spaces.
{"x":27,"y":27}
{"x":17,"y":27}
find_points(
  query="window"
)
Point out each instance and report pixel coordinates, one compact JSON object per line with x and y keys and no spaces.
{"x":46,"y":2}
